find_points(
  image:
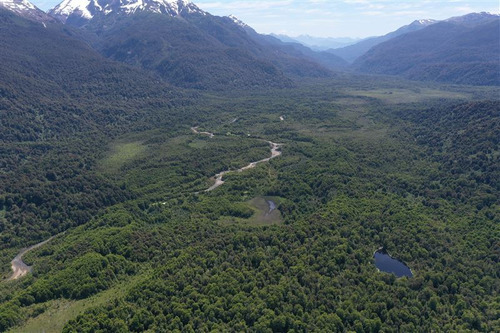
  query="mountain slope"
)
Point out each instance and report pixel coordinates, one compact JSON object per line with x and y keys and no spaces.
{"x":323,"y":58}
{"x":181,"y":53}
{"x":173,"y":39}
{"x":59,"y":103}
{"x":473,"y":19}
{"x":25,"y":9}
{"x":447,"y":51}
{"x":185,"y":45}
{"x":48,"y":66}
{"x":351,"y":52}
{"x":233,"y":33}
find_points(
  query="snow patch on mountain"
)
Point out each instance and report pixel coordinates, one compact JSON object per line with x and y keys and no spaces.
{"x":426,"y":21}
{"x":17,"y":5}
{"x":237,"y":21}
{"x":25,"y":9}
{"x":88,"y":9}
{"x":474,"y":19}
{"x":68,"y":7}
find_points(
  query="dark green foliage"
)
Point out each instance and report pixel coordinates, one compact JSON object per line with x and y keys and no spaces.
{"x":81,"y":278}
{"x":280,"y":279}
{"x":341,"y":202}
{"x":468,"y":149}
{"x":9,"y":316}
{"x":56,"y":107}
{"x":67,"y":88}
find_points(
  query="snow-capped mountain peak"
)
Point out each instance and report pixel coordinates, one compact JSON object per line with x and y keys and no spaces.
{"x":79,"y":11}
{"x":238,"y":21}
{"x":473,"y":19}
{"x":423,"y":22}
{"x":17,"y":5}
{"x":68,"y":7}
{"x":426,"y":21}
{"x":25,"y":9}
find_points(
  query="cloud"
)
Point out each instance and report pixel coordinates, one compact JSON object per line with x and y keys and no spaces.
{"x":373,"y":13}
{"x":357,"y":2}
{"x":253,"y":5}
{"x":464,"y":9}
{"x":353,"y":17}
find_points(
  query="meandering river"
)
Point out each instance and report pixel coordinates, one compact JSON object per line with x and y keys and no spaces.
{"x":275,"y":152}
{"x":195,"y":130}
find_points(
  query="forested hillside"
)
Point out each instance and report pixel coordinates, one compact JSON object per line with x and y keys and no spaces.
{"x":59,"y":100}
{"x":351,"y":52}
{"x":183,"y":54}
{"x":445,"y":52}
{"x":190,"y":48}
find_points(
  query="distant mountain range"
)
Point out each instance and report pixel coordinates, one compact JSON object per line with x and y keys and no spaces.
{"x":319,"y":43}
{"x":463,"y":50}
{"x":296,"y":49}
{"x":188,"y":47}
{"x":352,"y":52}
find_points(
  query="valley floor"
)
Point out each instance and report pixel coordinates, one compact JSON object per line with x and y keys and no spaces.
{"x":287,"y":243}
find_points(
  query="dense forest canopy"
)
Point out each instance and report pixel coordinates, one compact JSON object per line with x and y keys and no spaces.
{"x":361,"y":168}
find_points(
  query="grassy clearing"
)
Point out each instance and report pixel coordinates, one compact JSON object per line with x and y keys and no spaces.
{"x":59,"y":312}
{"x":198,"y":144}
{"x":408,"y":95}
{"x":353,"y":123}
{"x":120,"y":154}
{"x":261,"y":216}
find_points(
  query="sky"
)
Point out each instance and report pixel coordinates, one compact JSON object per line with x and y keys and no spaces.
{"x":333,"y":18}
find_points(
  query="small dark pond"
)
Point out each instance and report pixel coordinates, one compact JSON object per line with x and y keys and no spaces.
{"x":386,"y":263}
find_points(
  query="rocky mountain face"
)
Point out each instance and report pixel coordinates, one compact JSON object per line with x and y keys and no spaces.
{"x":78,"y":12}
